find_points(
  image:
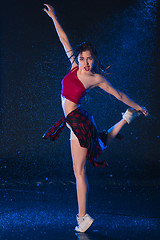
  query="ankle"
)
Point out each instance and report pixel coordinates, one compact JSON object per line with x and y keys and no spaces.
{"x":123,"y":121}
{"x":81,"y":215}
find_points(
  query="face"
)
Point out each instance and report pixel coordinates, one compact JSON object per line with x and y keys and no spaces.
{"x":86,"y":61}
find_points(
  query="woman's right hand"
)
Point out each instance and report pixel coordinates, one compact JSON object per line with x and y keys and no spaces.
{"x":49,"y":10}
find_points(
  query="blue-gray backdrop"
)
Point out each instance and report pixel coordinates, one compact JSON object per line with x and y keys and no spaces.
{"x":33,"y":64}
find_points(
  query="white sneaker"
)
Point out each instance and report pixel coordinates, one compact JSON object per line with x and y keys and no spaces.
{"x":83,"y":223}
{"x":130,"y":114}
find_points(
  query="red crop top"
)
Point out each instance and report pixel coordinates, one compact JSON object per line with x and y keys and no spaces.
{"x":72,"y":88}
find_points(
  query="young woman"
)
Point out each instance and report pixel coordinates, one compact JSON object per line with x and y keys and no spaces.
{"x":86,"y":142}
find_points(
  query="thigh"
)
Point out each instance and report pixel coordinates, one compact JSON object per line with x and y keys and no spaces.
{"x":79,"y":155}
{"x":72,"y":135}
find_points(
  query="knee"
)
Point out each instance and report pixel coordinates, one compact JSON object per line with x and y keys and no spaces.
{"x":79,"y":171}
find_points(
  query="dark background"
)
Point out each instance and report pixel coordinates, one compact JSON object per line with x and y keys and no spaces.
{"x":126,"y":34}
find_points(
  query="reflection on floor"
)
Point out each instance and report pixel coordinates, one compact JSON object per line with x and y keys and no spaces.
{"x":48,"y":211}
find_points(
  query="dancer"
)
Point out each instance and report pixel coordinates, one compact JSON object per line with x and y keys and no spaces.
{"x":86,"y":142}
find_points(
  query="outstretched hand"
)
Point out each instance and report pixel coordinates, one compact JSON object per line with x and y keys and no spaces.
{"x":143,"y":110}
{"x":49,"y":10}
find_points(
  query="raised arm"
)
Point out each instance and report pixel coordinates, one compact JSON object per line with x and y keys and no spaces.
{"x":106,"y":86}
{"x":61,"y":34}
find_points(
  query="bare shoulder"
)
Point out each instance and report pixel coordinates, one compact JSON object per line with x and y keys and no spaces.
{"x":94,"y":80}
{"x":99,"y":79}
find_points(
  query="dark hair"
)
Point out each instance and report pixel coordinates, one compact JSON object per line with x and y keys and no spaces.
{"x":97,"y":67}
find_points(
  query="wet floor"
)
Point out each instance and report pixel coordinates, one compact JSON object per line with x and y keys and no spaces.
{"x":35,"y":210}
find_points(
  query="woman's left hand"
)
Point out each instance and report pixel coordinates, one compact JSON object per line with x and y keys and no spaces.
{"x":143,"y":110}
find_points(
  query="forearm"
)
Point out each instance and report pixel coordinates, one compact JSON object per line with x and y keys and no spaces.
{"x":125,"y":99}
{"x":51,"y":13}
{"x":61,"y":34}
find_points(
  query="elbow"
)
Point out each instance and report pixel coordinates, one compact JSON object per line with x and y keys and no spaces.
{"x":119,"y":96}
{"x":63,"y":38}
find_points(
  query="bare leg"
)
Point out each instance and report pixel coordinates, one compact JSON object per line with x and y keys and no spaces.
{"x":128,"y":117}
{"x":113,"y":131}
{"x":79,"y":160}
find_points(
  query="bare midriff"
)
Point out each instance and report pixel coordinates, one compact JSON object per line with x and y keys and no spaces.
{"x":68,"y":106}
